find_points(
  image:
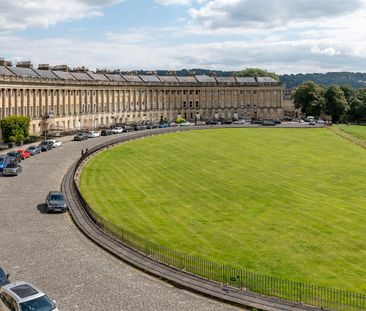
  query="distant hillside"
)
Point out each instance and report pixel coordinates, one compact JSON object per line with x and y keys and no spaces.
{"x":354,"y":79}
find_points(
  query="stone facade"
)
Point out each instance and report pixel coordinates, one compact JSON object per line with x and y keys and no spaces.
{"x":62,"y":100}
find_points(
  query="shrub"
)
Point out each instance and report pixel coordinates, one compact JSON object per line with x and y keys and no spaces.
{"x":180,"y":120}
{"x":16,"y":127}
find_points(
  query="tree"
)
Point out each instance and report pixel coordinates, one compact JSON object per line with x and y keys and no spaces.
{"x":180,"y":120}
{"x":15,"y":128}
{"x":251,"y":72}
{"x":357,"y":110}
{"x":335,"y":102}
{"x":309,"y":98}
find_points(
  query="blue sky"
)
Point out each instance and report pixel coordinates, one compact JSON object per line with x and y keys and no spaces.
{"x":285,"y":36}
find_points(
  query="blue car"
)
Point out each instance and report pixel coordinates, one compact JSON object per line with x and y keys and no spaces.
{"x":4,"y":160}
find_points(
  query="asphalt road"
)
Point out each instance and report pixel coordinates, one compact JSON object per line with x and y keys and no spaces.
{"x":50,"y":252}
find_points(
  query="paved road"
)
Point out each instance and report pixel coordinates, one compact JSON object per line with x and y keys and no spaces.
{"x":50,"y":252}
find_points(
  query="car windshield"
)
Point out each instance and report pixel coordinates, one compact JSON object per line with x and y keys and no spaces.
{"x":12,"y":154}
{"x":11,"y":165}
{"x":31,"y":147}
{"x":57,"y":197}
{"x":39,"y":304}
{"x":1,"y":160}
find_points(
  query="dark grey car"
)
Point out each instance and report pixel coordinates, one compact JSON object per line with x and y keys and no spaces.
{"x":4,"y":278}
{"x":55,"y":202}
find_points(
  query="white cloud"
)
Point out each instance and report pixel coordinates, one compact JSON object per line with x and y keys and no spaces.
{"x":326,"y":51}
{"x":22,"y":14}
{"x":178,"y":2}
{"x":279,"y":56}
{"x":173,"y":2}
{"x":269,"y":13}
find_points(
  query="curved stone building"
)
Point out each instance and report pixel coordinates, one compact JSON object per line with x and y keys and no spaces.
{"x":61,"y":99}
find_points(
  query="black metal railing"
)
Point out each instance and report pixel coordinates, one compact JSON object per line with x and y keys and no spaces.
{"x":318,"y":296}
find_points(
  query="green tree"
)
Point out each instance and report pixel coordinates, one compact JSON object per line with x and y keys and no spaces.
{"x":309,"y":98}
{"x":180,"y":120}
{"x":15,"y":127}
{"x":357,"y":110}
{"x":335,"y":102}
{"x":251,"y":72}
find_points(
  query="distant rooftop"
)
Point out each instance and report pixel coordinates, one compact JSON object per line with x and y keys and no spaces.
{"x":64,"y":72}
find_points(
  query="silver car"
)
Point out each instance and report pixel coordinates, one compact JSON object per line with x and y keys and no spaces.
{"x":33,"y":150}
{"x":12,"y":169}
{"x":24,"y":296}
{"x":55,"y":202}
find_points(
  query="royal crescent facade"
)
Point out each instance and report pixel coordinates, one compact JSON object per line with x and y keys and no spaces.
{"x":60,"y":99}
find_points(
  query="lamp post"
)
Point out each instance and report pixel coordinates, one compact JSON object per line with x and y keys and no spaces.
{"x":112,"y":117}
{"x":45,"y":122}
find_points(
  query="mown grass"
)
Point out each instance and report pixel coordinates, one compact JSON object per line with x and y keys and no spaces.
{"x":356,"y":130}
{"x":289,"y":203}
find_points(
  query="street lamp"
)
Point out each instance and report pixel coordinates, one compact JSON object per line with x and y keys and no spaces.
{"x":112,"y":117}
{"x":45,"y":122}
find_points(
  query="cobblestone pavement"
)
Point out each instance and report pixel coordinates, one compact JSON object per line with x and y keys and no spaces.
{"x":48,"y":250}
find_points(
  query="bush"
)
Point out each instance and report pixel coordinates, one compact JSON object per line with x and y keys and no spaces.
{"x":16,"y":127}
{"x":180,"y":120}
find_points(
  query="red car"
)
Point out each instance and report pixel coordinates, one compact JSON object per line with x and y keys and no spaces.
{"x":23,"y":154}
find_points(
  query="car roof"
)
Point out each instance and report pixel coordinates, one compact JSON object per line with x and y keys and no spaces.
{"x":55,"y":192}
{"x":22,"y":291}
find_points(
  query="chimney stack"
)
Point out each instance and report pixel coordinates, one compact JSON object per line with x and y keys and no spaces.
{"x":44,"y":67}
{"x":25,"y":64}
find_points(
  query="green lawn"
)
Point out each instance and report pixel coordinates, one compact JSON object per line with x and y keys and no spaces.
{"x":289,"y":203}
{"x":356,"y":130}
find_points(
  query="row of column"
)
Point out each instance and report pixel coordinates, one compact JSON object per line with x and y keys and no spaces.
{"x":39,"y":102}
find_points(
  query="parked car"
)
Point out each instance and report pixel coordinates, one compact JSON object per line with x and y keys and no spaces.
{"x":15,"y":156}
{"x":117,"y":130}
{"x":22,"y":296}
{"x":213,"y":122}
{"x":199,"y":122}
{"x":256,"y":121}
{"x":227,"y":122}
{"x":4,"y":278}
{"x":80,"y":136}
{"x":320,"y":121}
{"x":139,"y":127}
{"x":33,"y":150}
{"x":312,"y":122}
{"x":46,"y":145}
{"x":55,"y":202}
{"x":173,"y":124}
{"x":128,"y":128}
{"x":268,"y":122}
{"x":163,"y":125}
{"x":24,"y":154}
{"x":92,"y":134}
{"x":12,"y":169}
{"x":106,"y":132}
{"x":4,"y":159}
{"x":187,"y":123}
{"x":239,"y":122}
{"x":56,"y":143}
{"x":155,"y":126}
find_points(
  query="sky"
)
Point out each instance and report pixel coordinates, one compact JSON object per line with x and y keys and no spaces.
{"x":284,"y":36}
